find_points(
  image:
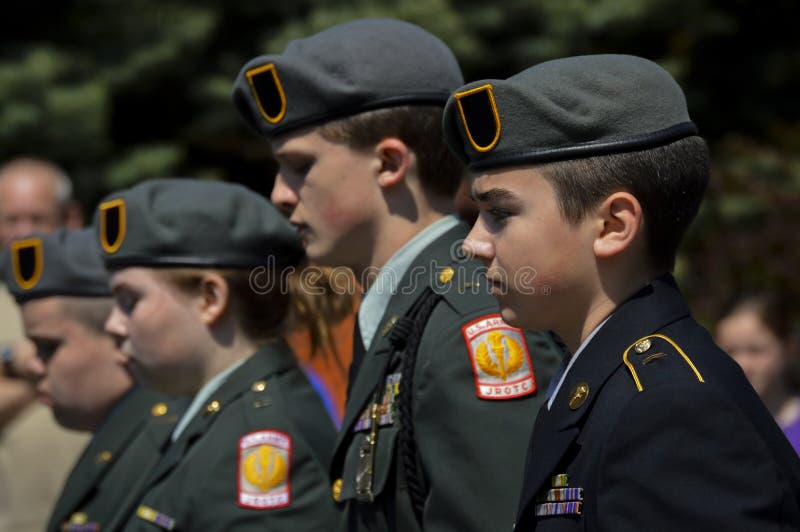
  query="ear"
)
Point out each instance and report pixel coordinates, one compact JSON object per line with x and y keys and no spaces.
{"x":394,"y":157}
{"x":620,"y":222}
{"x":214,"y":297}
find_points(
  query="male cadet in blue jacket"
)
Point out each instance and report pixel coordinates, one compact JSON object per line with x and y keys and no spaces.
{"x":440,"y":411}
{"x":62,"y":287}
{"x":589,"y":170}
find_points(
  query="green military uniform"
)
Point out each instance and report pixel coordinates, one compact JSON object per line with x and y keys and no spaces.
{"x":253,"y":454}
{"x":441,"y":409}
{"x":199,"y":482}
{"x":111,"y":468}
{"x":129,"y":440}
{"x":469,"y":422}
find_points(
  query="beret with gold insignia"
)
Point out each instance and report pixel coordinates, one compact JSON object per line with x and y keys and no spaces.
{"x":347,"y":69}
{"x":64,"y":263}
{"x":566,"y":109}
{"x":182,"y":222}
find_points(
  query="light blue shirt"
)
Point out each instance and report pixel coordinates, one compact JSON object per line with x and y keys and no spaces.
{"x":202,"y":396}
{"x":388,"y":280}
{"x":572,"y":361}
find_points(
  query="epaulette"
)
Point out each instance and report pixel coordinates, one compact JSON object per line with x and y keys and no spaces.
{"x":657,"y":358}
{"x":459,"y":284}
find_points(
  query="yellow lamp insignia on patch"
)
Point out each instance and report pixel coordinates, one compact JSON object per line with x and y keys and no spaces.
{"x":27,"y":258}
{"x":505,"y":358}
{"x":113,"y":224}
{"x":268,"y":92}
{"x":264,"y":469}
{"x":479,"y":115}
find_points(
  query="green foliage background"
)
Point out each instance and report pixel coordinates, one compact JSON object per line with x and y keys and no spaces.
{"x":117,"y":92}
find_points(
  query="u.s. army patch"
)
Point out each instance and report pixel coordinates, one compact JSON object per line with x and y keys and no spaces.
{"x":265,"y":457}
{"x":500,"y":358}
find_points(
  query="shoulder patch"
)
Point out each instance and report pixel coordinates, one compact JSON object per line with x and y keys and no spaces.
{"x":655,"y":347}
{"x":265,"y":458}
{"x":500,"y":358}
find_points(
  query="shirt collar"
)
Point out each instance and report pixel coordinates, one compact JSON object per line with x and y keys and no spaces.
{"x":202,"y":396}
{"x":388,"y":279}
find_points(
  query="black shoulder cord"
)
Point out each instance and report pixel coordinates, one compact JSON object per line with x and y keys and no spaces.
{"x":406,"y":336}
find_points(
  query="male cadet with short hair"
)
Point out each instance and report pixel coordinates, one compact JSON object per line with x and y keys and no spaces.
{"x":590,"y":170}
{"x":62,"y":287}
{"x":440,"y":410}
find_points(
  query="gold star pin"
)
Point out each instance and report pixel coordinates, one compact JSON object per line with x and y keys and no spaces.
{"x":259,"y":386}
{"x":579,"y":395}
{"x":158,"y":410}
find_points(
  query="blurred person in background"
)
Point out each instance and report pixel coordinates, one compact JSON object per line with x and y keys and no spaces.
{"x":756,"y":330}
{"x":35,"y":195}
{"x":61,"y":285}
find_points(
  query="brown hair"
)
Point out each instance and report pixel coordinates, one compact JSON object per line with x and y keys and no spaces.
{"x":307,"y":297}
{"x":91,"y":312}
{"x":771,"y":309}
{"x":669,"y":181}
{"x":418,"y":126}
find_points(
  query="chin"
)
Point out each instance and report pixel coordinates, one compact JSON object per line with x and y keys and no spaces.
{"x":509,"y":316}
{"x":517,"y":319}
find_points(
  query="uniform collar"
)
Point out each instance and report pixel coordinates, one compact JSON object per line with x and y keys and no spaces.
{"x":388,"y":280}
{"x":200,"y":398}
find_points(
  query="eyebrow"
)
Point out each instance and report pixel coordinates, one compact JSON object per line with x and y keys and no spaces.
{"x":493,"y":194}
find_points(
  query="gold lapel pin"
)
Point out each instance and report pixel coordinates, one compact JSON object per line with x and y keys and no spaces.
{"x":579,"y":395}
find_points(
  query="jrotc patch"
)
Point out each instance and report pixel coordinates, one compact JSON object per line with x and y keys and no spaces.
{"x":265,"y":457}
{"x":500,"y":358}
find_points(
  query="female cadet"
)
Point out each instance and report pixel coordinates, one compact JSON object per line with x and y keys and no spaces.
{"x":199,"y":273}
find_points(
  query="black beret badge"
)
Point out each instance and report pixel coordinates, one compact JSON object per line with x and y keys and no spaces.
{"x":27,"y":261}
{"x":268,"y":92}
{"x":479,"y":114}
{"x":112,"y":225}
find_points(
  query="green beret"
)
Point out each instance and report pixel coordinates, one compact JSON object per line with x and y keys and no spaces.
{"x":64,"y":263}
{"x":347,"y":69}
{"x":566,"y":109}
{"x":192,"y":223}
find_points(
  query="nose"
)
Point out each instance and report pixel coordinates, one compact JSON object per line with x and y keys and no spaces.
{"x":283,"y":196}
{"x":116,"y":325}
{"x":478,"y":243}
{"x":35,"y":367}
